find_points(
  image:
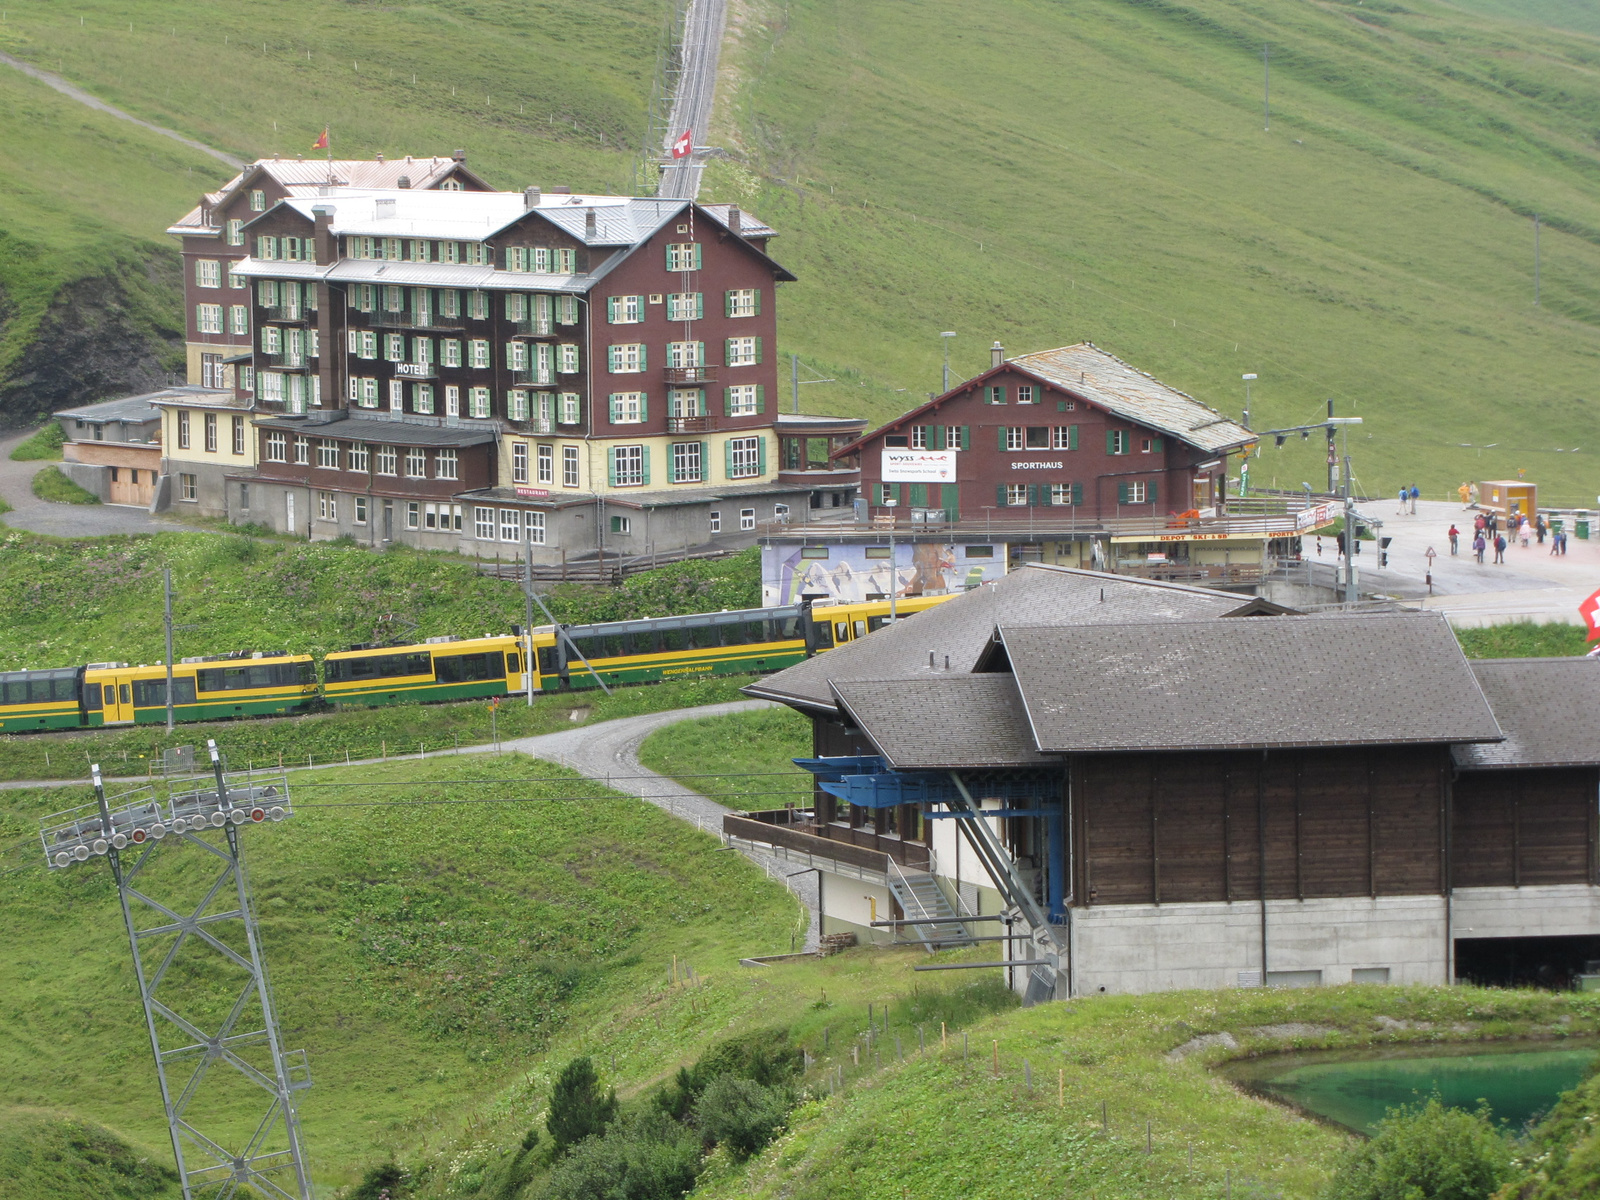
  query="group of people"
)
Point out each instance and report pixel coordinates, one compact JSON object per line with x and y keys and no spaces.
{"x":1408,"y":499}
{"x":1486,"y":533}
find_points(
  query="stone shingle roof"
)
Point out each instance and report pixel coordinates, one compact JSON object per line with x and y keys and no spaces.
{"x":943,"y":721}
{"x":1549,"y":709}
{"x":963,"y":626}
{"x":1235,"y":685}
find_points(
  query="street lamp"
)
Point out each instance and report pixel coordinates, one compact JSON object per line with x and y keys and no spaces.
{"x":945,"y":337}
{"x":1247,"y":381}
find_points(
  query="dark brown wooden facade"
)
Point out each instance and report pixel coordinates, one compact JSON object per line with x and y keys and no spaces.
{"x":1523,"y":828}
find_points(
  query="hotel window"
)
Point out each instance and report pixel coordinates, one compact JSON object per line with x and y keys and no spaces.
{"x":686,"y":306}
{"x":745,"y":457}
{"x":247,"y":379}
{"x":266,"y":248}
{"x":358,"y":457}
{"x":369,"y":393}
{"x":686,"y":460}
{"x":480,"y":353}
{"x":258,"y":201}
{"x":629,"y":408}
{"x":686,"y":354}
{"x":211,"y":432}
{"x":747,"y":518}
{"x":1136,"y":493}
{"x":919,"y":437}
{"x":271,"y":386}
{"x":1015,"y":493}
{"x":743,"y":352}
{"x":1064,"y":437}
{"x":626,"y":359}
{"x":386,"y":460}
{"x":277,"y":446}
{"x":397,"y":395}
{"x":394,"y":347}
{"x":546,"y":464}
{"x":413,"y":512}
{"x":239,"y":320}
{"x":566,"y":310}
{"x":517,"y":405}
{"x":450,"y":352}
{"x":302,"y":451}
{"x":235,"y":232}
{"x":450,"y":303}
{"x":683,"y":256}
{"x":628,"y":466}
{"x":569,"y":466}
{"x":743,"y":400}
{"x":744,"y":302}
{"x":510,"y":525}
{"x":544,"y":407}
{"x":452,"y":400}
{"x":1013,"y":437}
{"x":271,"y":339}
{"x":1025,"y":393}
{"x":416,"y":463}
{"x":328,"y":455}
{"x":483,"y":523}
{"x":567,"y":358}
{"x":624,"y":310}
{"x":363,"y":297}
{"x":422,"y":397}
{"x":1118,"y":441}
{"x":422,"y":351}
{"x":208,"y":318}
{"x":571,"y":409}
{"x":445,"y":464}
{"x":236,"y":280}
{"x":516,"y":356}
{"x":716,"y":521}
{"x":188,"y":488}
{"x":516,"y":306}
{"x":478,"y":402}
{"x":686,"y":402}
{"x":421,"y":250}
{"x":360,"y":517}
{"x":327,"y":506}
{"x":519,"y":462}
{"x":391,"y":249}
{"x":238,"y":435}
{"x":478,"y":305}
{"x":207,"y":273}
{"x":533,"y":524}
{"x":183,"y":430}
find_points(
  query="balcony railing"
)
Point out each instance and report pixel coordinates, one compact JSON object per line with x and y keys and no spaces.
{"x":691,"y":424}
{"x":284,"y":361}
{"x":284,"y":314}
{"x":532,"y":425}
{"x":406,"y":319}
{"x":533,"y":377}
{"x":691,"y":374}
{"x":533,"y":327}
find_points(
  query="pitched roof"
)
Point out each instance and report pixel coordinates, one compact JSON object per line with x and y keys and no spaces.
{"x":963,"y":626}
{"x":1548,"y":709}
{"x":142,"y":407}
{"x":943,"y":721}
{"x":1235,"y":685}
{"x":1104,"y":380}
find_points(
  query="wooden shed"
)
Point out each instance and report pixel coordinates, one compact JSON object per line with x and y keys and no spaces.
{"x":1507,"y":496}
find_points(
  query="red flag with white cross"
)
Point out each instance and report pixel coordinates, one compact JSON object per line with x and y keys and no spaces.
{"x":1590,"y":611}
{"x":684,"y":144}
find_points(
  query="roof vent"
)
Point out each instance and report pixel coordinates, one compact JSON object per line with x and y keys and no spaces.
{"x":562,"y":190}
{"x":733,"y":217}
{"x":997,"y":355}
{"x":459,"y":156}
{"x":588,"y":225}
{"x":379,"y":157}
{"x":530,"y":197}
{"x":408,"y":158}
{"x":405,"y":181}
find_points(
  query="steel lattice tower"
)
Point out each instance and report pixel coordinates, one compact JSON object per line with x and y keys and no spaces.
{"x":187,"y":910}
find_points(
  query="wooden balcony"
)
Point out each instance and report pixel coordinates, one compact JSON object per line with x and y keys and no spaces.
{"x":794,"y":830}
{"x":681,"y":375}
{"x":691,"y":424}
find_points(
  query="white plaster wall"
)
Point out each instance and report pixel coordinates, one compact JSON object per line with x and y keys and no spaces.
{"x":1151,"y":948}
{"x":847,"y":903}
{"x":1548,"y":911}
{"x":945,"y":837}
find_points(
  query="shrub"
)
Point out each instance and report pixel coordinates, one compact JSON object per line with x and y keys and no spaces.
{"x":765,"y":1056}
{"x":1425,"y":1153}
{"x":740,"y":1114}
{"x":577,"y":1109}
{"x":387,"y":1177}
{"x":651,"y":1157}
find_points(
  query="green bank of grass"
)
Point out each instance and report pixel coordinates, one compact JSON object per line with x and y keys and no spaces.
{"x":395,"y":731}
{"x":51,"y":1154}
{"x":50,"y":484}
{"x":742,"y":760}
{"x":431,"y":928}
{"x":1561,"y":1160}
{"x":46,"y":444}
{"x":1522,"y":639}
{"x":98,"y":600}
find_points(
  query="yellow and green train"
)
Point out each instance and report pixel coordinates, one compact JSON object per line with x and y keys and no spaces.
{"x":243,"y":684}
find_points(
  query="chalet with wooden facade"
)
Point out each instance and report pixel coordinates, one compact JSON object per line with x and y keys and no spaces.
{"x":1158,"y":787}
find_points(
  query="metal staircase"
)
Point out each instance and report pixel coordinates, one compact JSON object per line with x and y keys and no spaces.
{"x":920,"y":896}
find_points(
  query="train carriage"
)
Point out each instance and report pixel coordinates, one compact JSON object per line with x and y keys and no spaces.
{"x":50,"y":699}
{"x":442,"y":668}
{"x":242,"y":684}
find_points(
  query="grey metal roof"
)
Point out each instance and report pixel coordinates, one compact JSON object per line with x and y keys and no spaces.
{"x":1241,"y":684}
{"x":142,"y":406}
{"x":388,"y":433}
{"x":1105,"y":380}
{"x":943,"y":721}
{"x":1549,"y":709}
{"x":962,"y":627}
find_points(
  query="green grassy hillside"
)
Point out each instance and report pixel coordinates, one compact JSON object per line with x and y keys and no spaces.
{"x":45,"y":1153}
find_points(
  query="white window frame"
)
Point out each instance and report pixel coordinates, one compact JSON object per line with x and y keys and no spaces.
{"x":208,"y":318}
{"x":743,"y":399}
{"x":688,"y":462}
{"x":743,"y":351}
{"x":483,"y":523}
{"x":519,"y":462}
{"x":277,"y":446}
{"x":626,"y":358}
{"x":478,"y":403}
{"x":358,"y":457}
{"x":480,"y":354}
{"x":744,"y":456}
{"x":1016,"y":437}
{"x":416,"y":462}
{"x":327,"y":454}
{"x":208,"y":272}
{"x":510,"y":525}
{"x":1138,"y":492}
{"x":1016,"y":495}
{"x":545,"y":463}
{"x":633,"y":457}
{"x":388,"y":461}
{"x":571,"y":409}
{"x":747,"y":519}
{"x":715,"y":519}
{"x":627,"y":408}
{"x":570,"y":476}
{"x":743,"y":302}
{"x":446,"y":464}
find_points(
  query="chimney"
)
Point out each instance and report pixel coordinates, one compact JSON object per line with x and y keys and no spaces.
{"x":205,"y":210}
{"x":405,"y":181}
{"x":733,"y":218}
{"x":459,"y":156}
{"x":588,"y":225}
{"x":530,"y":197}
{"x":379,"y":157}
{"x":323,"y":215}
{"x":997,"y":355}
{"x":562,"y":190}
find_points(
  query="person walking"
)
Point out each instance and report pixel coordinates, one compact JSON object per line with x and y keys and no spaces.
{"x":1464,"y":491}
{"x":1454,"y":535}
{"x":1416,"y":495}
{"x":1404,"y":492}
{"x":1524,"y":532}
{"x":1478,"y":545}
{"x":1499,"y":547}
{"x":1539,"y":528}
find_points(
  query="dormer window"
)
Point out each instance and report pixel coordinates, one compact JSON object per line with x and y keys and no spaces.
{"x":258,"y":201}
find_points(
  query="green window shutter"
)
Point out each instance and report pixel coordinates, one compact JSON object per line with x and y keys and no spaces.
{"x":1155,"y":445}
{"x":1077,"y":493}
{"x":1045,"y":496}
{"x":611,"y":358}
{"x":761,"y":455}
{"x":1111,"y":441}
{"x":699,"y":305}
{"x":670,"y":264}
{"x":919,"y":495}
{"x":950,"y":498}
{"x":612,"y":303}
{"x":644,"y":353}
{"x":1152,"y":490}
{"x":966,"y":437}
{"x":611,"y":466}
{"x":727,"y":349}
{"x":758,"y":302}
{"x":727,"y":303}
{"x":644,"y":466}
{"x":1072,"y":437}
{"x":1000,"y":494}
{"x":758,"y":352}
{"x":1001,"y":430}
{"x":705,"y":461}
{"x":727,"y":459}
{"x":700,"y":354}
{"x":727,"y":403}
{"x":1122,"y":493}
{"x":1033,"y":495}
{"x":696,"y":256}
{"x":1061,"y":406}
{"x":938,"y":437}
{"x":644,"y":407}
{"x":761,"y":397}
{"x":612,"y":411}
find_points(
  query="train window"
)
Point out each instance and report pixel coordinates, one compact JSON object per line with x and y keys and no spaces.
{"x":469,"y":668}
{"x":647,"y":643}
{"x":875,"y":623}
{"x":785,"y":629}
{"x":734,"y":635}
{"x":858,"y":629}
{"x":127,"y":693}
{"x":111,"y":694}
{"x":148,"y":693}
{"x":379,"y":666}
{"x":303,"y":673}
{"x":511,"y":664}
{"x":547,"y":660}
{"x":91,"y":697}
{"x":841,"y":631}
{"x":674,"y":639}
{"x":584,"y":647}
{"x":702,"y":637}
{"x":613,"y":645}
{"x":17,"y":693}
{"x":824,"y":635}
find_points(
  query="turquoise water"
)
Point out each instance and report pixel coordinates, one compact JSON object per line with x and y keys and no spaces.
{"x":1518,"y":1083}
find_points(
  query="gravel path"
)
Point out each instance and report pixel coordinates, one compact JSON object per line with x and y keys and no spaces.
{"x":64,"y":520}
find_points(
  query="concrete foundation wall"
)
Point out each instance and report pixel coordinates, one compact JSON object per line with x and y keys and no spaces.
{"x":212,"y":490}
{"x":91,"y":477}
{"x":847,"y":906}
{"x":1151,"y":948}
{"x":1553,"y":911}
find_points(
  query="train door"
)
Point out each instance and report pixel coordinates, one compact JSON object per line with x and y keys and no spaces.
{"x":116,"y":699}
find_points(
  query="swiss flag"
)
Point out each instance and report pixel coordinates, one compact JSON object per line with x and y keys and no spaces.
{"x":685,"y":143}
{"x":1590,"y":610}
{"x":322,"y":142}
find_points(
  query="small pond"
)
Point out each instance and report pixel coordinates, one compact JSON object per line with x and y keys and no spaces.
{"x":1356,"y":1089}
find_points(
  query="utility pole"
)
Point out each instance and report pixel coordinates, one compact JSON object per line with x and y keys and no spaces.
{"x":1349,"y":509}
{"x":1248,"y":380}
{"x":794,"y":380}
{"x":1333,"y":454}
{"x":894,"y":577}
{"x":1266,"y":89}
{"x":1536,"y":260}
{"x":527,"y":629}
{"x":945,"y":338}
{"x":166,"y":619}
